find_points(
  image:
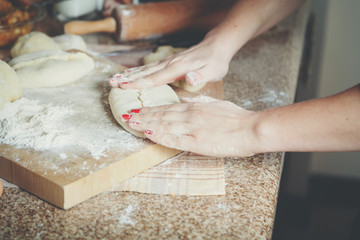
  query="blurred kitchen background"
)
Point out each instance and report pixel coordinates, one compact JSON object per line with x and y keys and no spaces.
{"x":320,"y":192}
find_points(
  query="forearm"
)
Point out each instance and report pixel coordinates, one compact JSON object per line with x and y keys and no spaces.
{"x":247,"y":19}
{"x":326,"y":124}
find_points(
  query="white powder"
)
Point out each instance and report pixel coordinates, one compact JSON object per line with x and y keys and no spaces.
{"x":29,"y":124}
{"x":125,"y":216}
{"x":70,"y":122}
{"x":26,"y":123}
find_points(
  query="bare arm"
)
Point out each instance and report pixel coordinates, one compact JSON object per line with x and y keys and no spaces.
{"x":326,"y":124}
{"x":209,"y":60}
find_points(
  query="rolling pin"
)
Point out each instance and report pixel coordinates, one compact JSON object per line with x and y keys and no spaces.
{"x":150,"y":20}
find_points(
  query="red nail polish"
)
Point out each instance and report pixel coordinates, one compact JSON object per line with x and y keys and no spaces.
{"x":135,"y":110}
{"x":126,"y":117}
{"x":124,"y":82}
{"x":149,"y":132}
{"x":118,"y":75}
{"x":134,"y":122}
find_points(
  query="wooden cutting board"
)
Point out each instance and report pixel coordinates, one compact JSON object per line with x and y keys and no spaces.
{"x":70,"y":176}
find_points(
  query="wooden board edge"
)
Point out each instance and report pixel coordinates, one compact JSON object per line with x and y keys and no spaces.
{"x":91,"y":185}
{"x":31,"y":182}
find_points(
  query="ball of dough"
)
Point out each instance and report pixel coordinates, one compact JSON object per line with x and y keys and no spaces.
{"x":70,"y":41}
{"x":164,"y":52}
{"x":33,"y":42}
{"x":10,"y":85}
{"x":123,"y":101}
{"x":161,"y":53}
{"x":51,"y":68}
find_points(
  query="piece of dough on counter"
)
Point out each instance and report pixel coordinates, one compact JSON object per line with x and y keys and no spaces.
{"x":70,"y":41}
{"x":51,"y":68}
{"x":33,"y":42}
{"x":10,"y":86}
{"x":164,"y":52}
{"x":123,"y":101}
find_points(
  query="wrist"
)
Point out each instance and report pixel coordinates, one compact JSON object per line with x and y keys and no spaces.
{"x":225,"y":45}
{"x":265,"y":133}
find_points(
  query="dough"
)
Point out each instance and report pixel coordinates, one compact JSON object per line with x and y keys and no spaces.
{"x":164,"y":52}
{"x":69,"y":41}
{"x":10,"y":85}
{"x":161,"y":53}
{"x":33,"y":42}
{"x":51,"y":68}
{"x":122,"y":101}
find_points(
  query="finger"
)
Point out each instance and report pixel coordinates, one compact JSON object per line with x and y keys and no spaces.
{"x":201,"y":75}
{"x":150,"y":78}
{"x":165,"y":127}
{"x":144,"y":118}
{"x":178,"y":107}
{"x":180,"y":142}
{"x":130,"y":74}
{"x":139,"y":72}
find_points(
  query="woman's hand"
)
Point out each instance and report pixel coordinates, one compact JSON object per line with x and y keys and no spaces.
{"x":217,"y":129}
{"x":205,"y":62}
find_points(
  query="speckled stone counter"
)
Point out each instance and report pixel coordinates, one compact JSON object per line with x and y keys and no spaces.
{"x":262,"y":75}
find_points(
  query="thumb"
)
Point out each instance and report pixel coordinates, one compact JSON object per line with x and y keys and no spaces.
{"x":194,"y":78}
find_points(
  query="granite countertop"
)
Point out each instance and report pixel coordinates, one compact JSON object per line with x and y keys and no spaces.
{"x":262,"y":75}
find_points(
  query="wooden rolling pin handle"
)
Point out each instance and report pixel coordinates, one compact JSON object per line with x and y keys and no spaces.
{"x":85,"y":27}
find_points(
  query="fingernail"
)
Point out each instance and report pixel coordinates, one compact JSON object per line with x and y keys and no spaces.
{"x":124,"y":82}
{"x":126,"y":117}
{"x":148,"y":132}
{"x":134,"y":122}
{"x":192,"y":77}
{"x":118,"y":75}
{"x":135,"y":110}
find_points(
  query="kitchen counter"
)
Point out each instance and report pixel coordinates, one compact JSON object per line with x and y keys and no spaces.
{"x":262,"y":75}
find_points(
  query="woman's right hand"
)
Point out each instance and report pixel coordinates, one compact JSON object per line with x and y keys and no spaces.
{"x":205,"y":62}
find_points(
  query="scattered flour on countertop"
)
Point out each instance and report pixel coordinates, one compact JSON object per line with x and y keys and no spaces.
{"x":125,"y":216}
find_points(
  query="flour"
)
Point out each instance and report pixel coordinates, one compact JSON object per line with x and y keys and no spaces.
{"x":29,"y":124}
{"x":66,"y":131}
{"x":26,"y":123}
{"x":125,"y":216}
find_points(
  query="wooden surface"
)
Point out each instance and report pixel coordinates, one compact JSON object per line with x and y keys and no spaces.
{"x":30,"y":169}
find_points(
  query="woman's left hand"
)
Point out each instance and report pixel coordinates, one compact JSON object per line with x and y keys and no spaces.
{"x":218,"y":128}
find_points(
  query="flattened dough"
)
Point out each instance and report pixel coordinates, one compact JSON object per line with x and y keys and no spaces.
{"x":164,"y":52}
{"x":51,"y":68}
{"x":10,"y":86}
{"x":33,"y":42}
{"x":122,"y":101}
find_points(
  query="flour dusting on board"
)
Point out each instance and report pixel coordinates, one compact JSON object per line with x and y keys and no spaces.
{"x":28,"y":123}
{"x":71,"y":128}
